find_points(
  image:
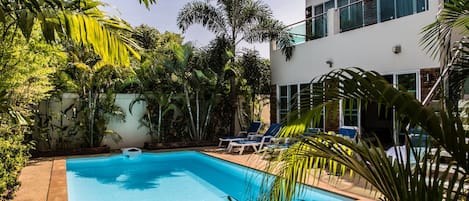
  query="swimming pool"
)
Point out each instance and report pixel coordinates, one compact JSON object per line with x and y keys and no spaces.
{"x":175,"y":176}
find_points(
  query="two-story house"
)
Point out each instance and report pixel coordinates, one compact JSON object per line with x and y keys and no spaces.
{"x":379,"y":35}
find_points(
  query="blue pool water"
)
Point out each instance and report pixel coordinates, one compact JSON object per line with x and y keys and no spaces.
{"x":176,"y":176}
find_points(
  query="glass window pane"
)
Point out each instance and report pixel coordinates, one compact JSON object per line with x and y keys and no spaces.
{"x":293,"y":91}
{"x":350,"y":112}
{"x":370,"y":12}
{"x":283,"y":104}
{"x":389,"y":78}
{"x":319,"y":9}
{"x":319,"y":26}
{"x":283,"y":91}
{"x":404,"y":7}
{"x":386,"y":10}
{"x":351,"y":17}
{"x":293,"y":97}
{"x":422,"y":5}
{"x":318,"y":92}
{"x":342,"y":3}
{"x":309,"y":24}
{"x":328,"y":5}
{"x":408,"y":82}
{"x":305,"y":97}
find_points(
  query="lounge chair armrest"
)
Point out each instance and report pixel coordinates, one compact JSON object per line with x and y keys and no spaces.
{"x":281,"y":140}
{"x":254,"y":136}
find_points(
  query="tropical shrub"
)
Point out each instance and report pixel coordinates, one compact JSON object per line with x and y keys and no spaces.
{"x":15,"y":154}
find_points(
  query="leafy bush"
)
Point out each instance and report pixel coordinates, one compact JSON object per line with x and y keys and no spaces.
{"x":14,"y":155}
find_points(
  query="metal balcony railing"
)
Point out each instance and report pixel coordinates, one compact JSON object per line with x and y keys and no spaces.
{"x":309,"y":29}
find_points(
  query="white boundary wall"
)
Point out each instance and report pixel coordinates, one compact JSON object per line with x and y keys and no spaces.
{"x":132,"y":132}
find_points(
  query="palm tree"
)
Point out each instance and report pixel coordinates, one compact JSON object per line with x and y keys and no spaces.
{"x":237,"y":20}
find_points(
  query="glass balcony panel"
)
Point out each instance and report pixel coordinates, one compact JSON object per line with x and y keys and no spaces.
{"x":329,"y":4}
{"x":320,"y":27}
{"x":351,"y":17}
{"x":319,"y":9}
{"x":386,"y":10}
{"x":342,"y":3}
{"x":422,"y":5}
{"x":298,"y":32}
{"x":404,"y":8}
{"x":370,"y":12}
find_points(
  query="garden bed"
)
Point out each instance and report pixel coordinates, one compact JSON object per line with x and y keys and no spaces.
{"x":173,"y":145}
{"x":75,"y":151}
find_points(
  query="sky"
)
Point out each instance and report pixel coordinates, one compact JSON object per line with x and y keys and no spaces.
{"x":163,"y":17}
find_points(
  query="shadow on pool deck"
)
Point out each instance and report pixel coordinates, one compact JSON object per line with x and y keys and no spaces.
{"x":44,"y":179}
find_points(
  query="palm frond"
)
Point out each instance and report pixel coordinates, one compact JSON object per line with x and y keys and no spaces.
{"x":88,"y":31}
{"x":147,"y":2}
{"x":204,"y":13}
{"x":451,"y":22}
{"x":252,"y":12}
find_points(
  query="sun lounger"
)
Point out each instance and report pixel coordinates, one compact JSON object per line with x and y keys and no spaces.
{"x":243,"y":135}
{"x":258,"y":143}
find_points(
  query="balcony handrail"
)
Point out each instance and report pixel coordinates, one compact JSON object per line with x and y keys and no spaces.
{"x":307,"y":19}
{"x":350,"y":4}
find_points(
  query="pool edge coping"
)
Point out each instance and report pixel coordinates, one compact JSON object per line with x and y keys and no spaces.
{"x":58,"y":181}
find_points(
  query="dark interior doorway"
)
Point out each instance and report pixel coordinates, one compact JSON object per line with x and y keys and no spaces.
{"x":377,"y":121}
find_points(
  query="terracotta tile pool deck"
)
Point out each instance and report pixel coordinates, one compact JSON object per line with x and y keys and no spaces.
{"x":44,"y":179}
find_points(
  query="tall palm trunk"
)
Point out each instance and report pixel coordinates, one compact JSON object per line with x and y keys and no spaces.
{"x":91,"y":120}
{"x":234,"y":92}
{"x":158,"y":131}
{"x":189,"y":108}
{"x":197,"y":104}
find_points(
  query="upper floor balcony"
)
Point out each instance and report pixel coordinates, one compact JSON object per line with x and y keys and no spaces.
{"x":338,"y":16}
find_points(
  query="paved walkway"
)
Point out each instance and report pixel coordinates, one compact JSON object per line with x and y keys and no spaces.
{"x":44,"y":179}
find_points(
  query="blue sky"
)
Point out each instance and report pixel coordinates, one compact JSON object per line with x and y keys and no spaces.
{"x":163,"y":17}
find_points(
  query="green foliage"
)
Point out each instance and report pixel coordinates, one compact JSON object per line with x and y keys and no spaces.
{"x":157,"y":83}
{"x":147,"y":2}
{"x":256,"y":71}
{"x":151,"y":39}
{"x":14,"y":154}
{"x":236,"y":21}
{"x":255,"y":83}
{"x":80,"y":21}
{"x":95,"y":86}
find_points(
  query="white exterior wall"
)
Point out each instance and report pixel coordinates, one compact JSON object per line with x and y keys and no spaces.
{"x":369,"y":48}
{"x":132,"y":132}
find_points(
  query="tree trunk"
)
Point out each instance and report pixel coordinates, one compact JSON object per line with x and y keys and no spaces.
{"x":158,"y":134}
{"x":199,"y":134}
{"x":90,"y":105}
{"x":188,"y":102}
{"x":207,"y":119}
